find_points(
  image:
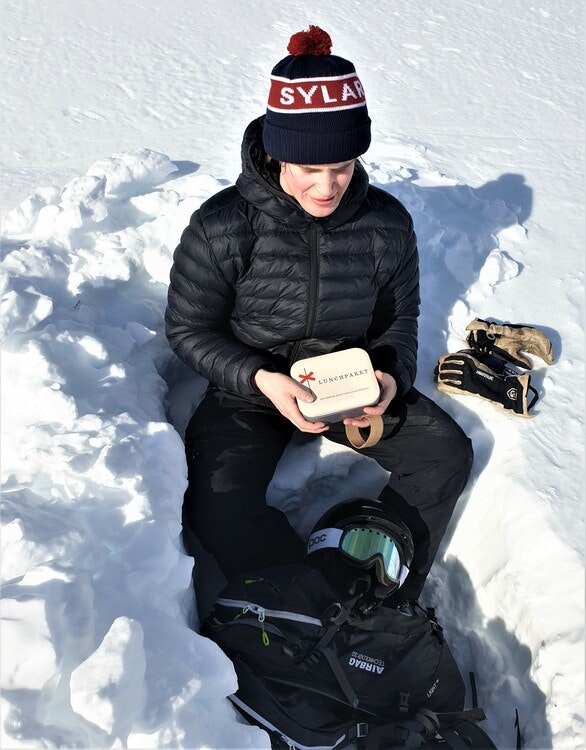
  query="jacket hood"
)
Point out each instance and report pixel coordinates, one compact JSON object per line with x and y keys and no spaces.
{"x":257,"y":186}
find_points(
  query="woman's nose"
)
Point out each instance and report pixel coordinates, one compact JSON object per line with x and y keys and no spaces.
{"x":327,"y":183}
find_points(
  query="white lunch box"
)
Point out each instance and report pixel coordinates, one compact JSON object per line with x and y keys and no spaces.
{"x":343,"y":383}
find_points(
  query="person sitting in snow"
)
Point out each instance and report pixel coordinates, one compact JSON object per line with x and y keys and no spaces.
{"x":303,"y":257}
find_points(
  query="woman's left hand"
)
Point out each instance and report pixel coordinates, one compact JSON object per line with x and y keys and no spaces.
{"x":388,"y":391}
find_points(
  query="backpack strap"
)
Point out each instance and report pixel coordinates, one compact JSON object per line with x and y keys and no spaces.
{"x":460,"y":730}
{"x":377,"y":737}
{"x":472,"y":678}
{"x":519,"y":744}
{"x":426,"y":729}
{"x":470,"y":714}
{"x":321,"y":648}
{"x":338,"y":673}
{"x":453,"y":740}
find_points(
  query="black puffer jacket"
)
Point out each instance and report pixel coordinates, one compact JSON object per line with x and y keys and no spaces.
{"x":258,"y":283}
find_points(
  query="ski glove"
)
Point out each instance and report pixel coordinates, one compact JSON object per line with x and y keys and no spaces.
{"x":509,"y":341}
{"x":464,"y":374}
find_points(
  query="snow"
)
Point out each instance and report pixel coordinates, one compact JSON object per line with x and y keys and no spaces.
{"x":118,"y":119}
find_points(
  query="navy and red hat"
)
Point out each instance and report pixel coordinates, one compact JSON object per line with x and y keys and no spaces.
{"x":316,"y":111}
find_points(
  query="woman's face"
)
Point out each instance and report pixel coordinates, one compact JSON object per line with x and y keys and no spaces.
{"x":317,"y":188}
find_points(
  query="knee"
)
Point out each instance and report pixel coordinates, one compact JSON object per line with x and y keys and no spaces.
{"x":459,"y":463}
{"x":462,"y":446}
{"x":443,"y":437}
{"x":460,"y":451}
{"x":451,"y":453}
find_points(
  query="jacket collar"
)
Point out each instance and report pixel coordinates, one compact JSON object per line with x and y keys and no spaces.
{"x":257,"y":187}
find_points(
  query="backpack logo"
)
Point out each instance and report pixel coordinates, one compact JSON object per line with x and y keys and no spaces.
{"x":431,"y":690}
{"x":368,"y":663}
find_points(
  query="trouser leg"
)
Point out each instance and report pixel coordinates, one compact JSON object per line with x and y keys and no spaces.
{"x":232,"y":452}
{"x":430,"y":459}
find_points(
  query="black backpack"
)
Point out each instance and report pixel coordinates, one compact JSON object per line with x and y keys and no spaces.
{"x":314,"y":674}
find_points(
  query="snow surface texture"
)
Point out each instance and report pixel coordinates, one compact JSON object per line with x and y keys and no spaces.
{"x":482,"y":140}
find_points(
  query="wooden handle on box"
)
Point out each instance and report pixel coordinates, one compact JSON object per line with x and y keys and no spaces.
{"x":376,"y":431}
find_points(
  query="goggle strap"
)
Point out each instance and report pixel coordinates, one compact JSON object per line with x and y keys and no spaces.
{"x":403,"y":573}
{"x":323,"y":539}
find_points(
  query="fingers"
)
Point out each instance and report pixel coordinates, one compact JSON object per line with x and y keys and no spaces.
{"x":388,"y":391}
{"x":313,"y":427}
{"x":291,"y":411}
{"x":302,"y":394}
{"x":283,"y":392}
{"x":357,"y":422}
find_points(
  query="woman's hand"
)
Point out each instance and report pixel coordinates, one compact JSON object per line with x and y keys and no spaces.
{"x":388,"y":391}
{"x":282,"y":391}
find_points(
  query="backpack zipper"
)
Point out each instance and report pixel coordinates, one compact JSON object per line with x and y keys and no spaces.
{"x":262,"y":612}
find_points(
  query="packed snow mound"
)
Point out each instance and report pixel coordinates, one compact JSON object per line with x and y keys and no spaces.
{"x":96,"y":583}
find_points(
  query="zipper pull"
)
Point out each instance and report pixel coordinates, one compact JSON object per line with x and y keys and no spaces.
{"x":260,"y":613}
{"x":265,"y":635}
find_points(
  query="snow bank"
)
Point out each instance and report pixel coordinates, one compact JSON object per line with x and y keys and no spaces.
{"x":97,"y":611}
{"x":99,"y":641}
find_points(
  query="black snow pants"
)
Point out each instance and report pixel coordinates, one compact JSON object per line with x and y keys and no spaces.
{"x":233,"y":448}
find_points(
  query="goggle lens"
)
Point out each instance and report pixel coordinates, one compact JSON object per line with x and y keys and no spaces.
{"x":365,"y":545}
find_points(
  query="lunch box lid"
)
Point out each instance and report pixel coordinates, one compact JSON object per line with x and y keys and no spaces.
{"x":342,"y":382}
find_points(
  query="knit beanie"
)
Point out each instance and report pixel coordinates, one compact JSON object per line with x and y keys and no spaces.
{"x":316,"y":112}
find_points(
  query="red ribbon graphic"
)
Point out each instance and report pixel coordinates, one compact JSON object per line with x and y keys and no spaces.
{"x":306,"y":377}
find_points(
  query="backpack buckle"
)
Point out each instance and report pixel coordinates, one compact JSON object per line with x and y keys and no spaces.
{"x":361,"y":730}
{"x":309,"y":661}
{"x":335,"y":614}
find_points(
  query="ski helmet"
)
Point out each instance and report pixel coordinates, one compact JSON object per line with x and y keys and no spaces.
{"x":362,"y":546}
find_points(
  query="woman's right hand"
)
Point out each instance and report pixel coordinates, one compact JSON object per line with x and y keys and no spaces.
{"x":283,"y":391}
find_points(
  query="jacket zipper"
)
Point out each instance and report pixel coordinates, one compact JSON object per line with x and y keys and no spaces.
{"x":313,"y":277}
{"x":313,"y":286}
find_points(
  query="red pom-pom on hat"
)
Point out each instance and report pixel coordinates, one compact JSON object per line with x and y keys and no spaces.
{"x":314,"y":41}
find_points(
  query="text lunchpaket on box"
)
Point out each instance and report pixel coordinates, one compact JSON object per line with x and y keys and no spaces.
{"x":343,"y":383}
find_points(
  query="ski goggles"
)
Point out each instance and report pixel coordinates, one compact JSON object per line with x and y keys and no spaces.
{"x":365,"y":547}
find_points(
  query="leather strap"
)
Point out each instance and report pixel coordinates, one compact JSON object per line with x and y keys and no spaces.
{"x":376,"y":430}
